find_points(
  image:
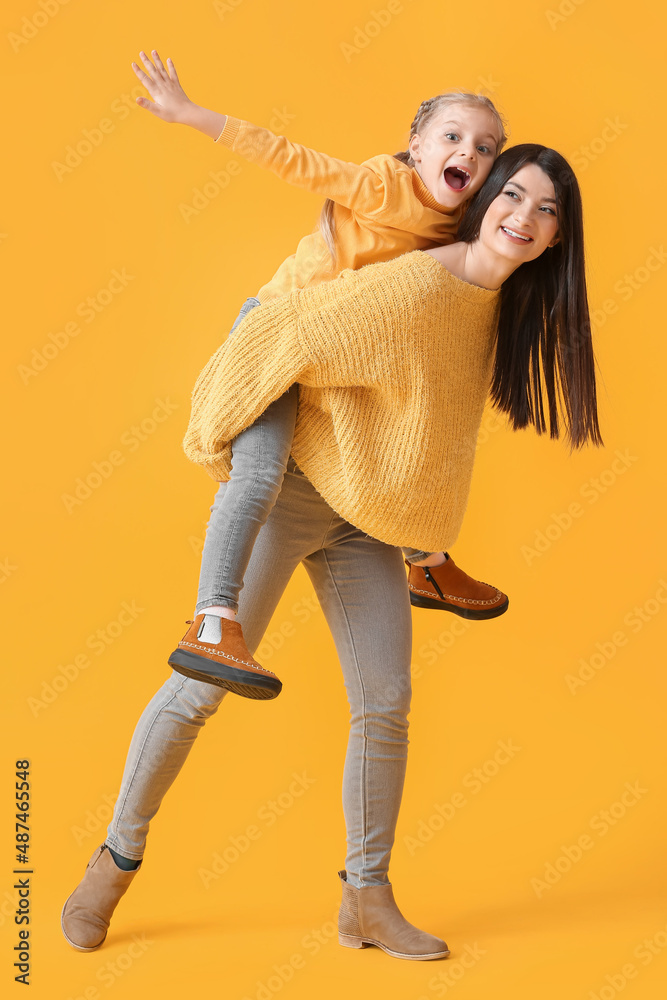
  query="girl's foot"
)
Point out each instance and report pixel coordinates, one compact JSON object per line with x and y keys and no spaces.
{"x":223,"y":658}
{"x":448,"y":588}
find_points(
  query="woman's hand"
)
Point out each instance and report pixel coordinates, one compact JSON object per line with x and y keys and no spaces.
{"x":170,"y":102}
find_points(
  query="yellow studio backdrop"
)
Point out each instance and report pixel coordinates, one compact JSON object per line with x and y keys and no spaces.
{"x":531,"y":835}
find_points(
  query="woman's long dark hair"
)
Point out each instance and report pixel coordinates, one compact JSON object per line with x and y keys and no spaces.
{"x":544,"y":331}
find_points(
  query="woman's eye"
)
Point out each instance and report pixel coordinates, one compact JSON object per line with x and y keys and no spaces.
{"x":545,"y":208}
{"x":511,"y":194}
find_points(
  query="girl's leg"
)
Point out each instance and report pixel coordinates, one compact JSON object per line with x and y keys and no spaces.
{"x":259,"y":458}
{"x":214,"y":649}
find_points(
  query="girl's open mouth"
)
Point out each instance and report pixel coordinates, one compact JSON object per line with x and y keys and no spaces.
{"x":457,"y":178}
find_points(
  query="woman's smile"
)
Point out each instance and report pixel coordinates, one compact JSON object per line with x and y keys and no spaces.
{"x":515,"y":236}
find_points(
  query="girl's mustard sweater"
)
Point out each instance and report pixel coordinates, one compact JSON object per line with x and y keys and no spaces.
{"x":382,"y":206}
{"x":394,"y":364}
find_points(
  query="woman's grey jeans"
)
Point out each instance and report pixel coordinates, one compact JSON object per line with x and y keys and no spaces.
{"x":362,"y":587}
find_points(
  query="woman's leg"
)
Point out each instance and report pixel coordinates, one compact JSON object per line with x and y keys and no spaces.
{"x":362,"y":587}
{"x":174,"y":717}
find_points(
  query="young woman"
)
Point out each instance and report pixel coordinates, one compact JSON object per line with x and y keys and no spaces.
{"x":394,"y":363}
{"x":374,"y":211}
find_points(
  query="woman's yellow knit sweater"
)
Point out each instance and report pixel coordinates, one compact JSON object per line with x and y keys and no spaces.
{"x":394,"y":363}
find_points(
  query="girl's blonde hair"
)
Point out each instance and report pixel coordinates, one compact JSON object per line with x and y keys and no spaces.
{"x":426,"y":112}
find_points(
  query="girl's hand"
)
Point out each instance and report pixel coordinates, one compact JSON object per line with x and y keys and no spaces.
{"x":170,"y":102}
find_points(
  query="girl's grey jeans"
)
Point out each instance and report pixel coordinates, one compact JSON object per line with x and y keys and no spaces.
{"x":259,"y":458}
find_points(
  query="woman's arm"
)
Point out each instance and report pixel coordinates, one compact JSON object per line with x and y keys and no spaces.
{"x":364,"y":187}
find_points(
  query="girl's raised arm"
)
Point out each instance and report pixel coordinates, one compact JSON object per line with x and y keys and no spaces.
{"x":364,"y":187}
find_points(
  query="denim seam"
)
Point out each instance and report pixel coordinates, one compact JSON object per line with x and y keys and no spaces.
{"x":364,"y":769}
{"x":118,"y":818}
{"x":224,"y":565}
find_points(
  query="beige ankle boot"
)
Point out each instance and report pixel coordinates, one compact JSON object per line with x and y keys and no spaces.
{"x":370,"y":916}
{"x":87,"y":912}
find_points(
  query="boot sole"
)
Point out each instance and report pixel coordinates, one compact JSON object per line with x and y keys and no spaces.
{"x":241,"y":682}
{"x":417,"y":601}
{"x":79,"y":947}
{"x":357,"y":942}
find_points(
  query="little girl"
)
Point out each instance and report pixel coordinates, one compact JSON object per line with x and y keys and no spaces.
{"x":374,"y":212}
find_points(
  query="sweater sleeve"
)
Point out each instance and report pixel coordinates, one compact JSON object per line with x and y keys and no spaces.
{"x":254,"y":367}
{"x":366,"y":187}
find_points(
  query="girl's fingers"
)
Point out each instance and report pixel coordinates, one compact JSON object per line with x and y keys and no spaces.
{"x":172,"y":71}
{"x":148,"y":64}
{"x":151,"y":86}
{"x":158,"y":63}
{"x":142,"y":76}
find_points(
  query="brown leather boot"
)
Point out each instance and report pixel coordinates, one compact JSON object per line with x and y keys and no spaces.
{"x":227,"y":663}
{"x":87,"y":912}
{"x":448,"y":588}
{"x":370,"y":916}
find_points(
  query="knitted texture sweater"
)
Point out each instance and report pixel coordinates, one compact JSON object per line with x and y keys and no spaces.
{"x":382,"y":206}
{"x":394,"y":364}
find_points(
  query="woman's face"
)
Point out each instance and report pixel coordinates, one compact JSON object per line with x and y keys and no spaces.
{"x":522,"y":221}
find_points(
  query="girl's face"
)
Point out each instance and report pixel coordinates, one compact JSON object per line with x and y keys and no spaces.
{"x":522,"y":221}
{"x":455,"y":152}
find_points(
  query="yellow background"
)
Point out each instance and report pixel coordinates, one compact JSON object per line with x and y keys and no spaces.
{"x":587,"y":78}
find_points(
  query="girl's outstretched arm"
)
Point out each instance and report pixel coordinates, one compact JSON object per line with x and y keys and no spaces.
{"x":170,"y":102}
{"x":365,"y":187}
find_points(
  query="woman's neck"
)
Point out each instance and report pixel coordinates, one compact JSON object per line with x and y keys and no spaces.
{"x":474,"y":263}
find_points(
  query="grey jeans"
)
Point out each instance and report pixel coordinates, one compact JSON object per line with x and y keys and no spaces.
{"x":259,"y":458}
{"x":361,"y":585}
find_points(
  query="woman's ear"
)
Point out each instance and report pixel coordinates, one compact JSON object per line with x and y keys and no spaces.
{"x":554,"y":241}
